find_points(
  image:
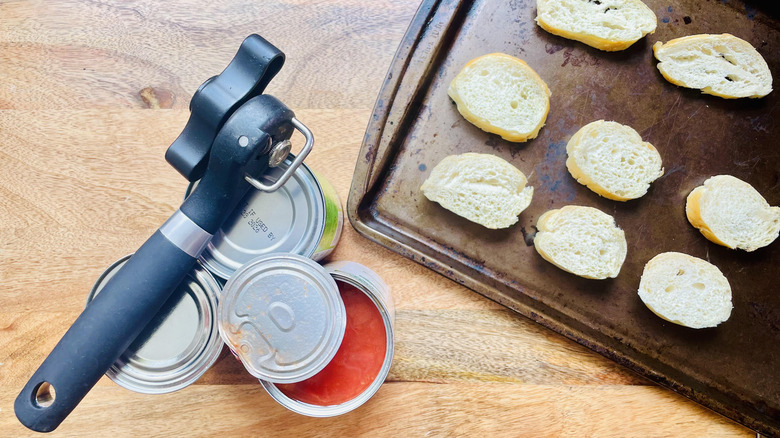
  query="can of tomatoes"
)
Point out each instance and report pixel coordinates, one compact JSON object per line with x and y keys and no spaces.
{"x":319,"y":339}
{"x":303,"y":217}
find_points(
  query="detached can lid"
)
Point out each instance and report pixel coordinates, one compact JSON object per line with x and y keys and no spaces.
{"x":179,"y":344}
{"x":283,"y":316}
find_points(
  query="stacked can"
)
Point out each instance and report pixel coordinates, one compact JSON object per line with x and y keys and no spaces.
{"x":178,"y":345}
{"x":319,"y":338}
{"x":303,"y":217}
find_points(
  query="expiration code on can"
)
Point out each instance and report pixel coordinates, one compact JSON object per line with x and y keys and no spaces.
{"x":254,"y":222}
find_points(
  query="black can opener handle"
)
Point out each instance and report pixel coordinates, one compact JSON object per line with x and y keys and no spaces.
{"x":245,"y":128}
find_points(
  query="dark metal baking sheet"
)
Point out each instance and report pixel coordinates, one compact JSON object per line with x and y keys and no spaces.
{"x":734,"y":368}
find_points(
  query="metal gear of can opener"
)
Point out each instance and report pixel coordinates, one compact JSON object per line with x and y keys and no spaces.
{"x":235,"y":134}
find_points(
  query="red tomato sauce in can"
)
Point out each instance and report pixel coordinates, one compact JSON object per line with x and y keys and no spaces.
{"x":359,"y":358}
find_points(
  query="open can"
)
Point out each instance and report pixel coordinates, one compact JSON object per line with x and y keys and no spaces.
{"x":304,"y":217}
{"x":180,"y":343}
{"x":319,"y":339}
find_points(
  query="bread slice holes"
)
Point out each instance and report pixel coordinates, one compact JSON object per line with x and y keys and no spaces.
{"x":669,"y":288}
{"x":484,"y":73}
{"x":688,"y":57}
{"x":613,"y":26}
{"x":513,"y":104}
{"x":729,"y":59}
{"x":699,"y":286}
{"x":731,"y":78}
{"x":610,"y":9}
{"x":680,"y":272}
{"x":597,"y":2}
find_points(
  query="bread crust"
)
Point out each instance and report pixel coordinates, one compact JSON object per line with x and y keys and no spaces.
{"x":702,"y":300}
{"x":549,"y":235}
{"x":693,"y":212}
{"x":485,"y":124}
{"x":623,"y":132}
{"x":482,"y":188}
{"x":749,"y":208}
{"x":545,"y":20}
{"x":591,"y":40}
{"x":661,"y":49}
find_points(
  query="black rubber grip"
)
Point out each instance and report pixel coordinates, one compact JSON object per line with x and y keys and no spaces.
{"x":102,"y":332}
{"x":252,"y":68}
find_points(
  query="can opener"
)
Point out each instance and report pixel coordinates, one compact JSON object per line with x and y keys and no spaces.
{"x":234,"y":134}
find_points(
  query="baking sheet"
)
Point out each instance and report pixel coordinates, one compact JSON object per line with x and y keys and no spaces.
{"x":734,"y":368}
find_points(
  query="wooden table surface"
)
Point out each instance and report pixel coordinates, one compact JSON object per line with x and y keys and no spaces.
{"x":91,"y":95}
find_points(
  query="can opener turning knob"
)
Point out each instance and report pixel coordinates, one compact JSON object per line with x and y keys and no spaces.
{"x":234,"y":134}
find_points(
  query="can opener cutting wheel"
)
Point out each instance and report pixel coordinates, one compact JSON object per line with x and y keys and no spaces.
{"x":234,"y":134}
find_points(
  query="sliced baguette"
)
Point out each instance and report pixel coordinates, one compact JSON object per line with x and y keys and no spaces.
{"x":608,"y":25}
{"x":730,"y":212}
{"x":721,"y":65}
{"x":501,"y":94}
{"x":581,"y":240}
{"x":612,"y":160}
{"x":685,"y":290}
{"x":482,"y":188}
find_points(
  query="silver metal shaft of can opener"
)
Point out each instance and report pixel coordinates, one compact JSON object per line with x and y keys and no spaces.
{"x":234,"y":134}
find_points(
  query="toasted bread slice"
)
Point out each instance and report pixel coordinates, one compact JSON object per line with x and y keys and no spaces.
{"x":730,"y":212}
{"x":482,"y":188}
{"x":582,"y":240}
{"x":501,"y":94}
{"x":608,"y":25}
{"x":685,"y":290}
{"x":721,"y":65}
{"x":612,"y":160}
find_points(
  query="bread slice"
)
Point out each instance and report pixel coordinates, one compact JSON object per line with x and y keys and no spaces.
{"x":612,"y":160}
{"x":608,"y":25}
{"x":685,"y":290}
{"x":501,"y":94}
{"x":730,"y":212}
{"x":482,"y":188}
{"x":721,"y":65}
{"x":582,"y":240}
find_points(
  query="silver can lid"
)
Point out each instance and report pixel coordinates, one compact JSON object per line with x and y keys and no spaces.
{"x":179,"y":344}
{"x":283,"y":316}
{"x":290,"y":220}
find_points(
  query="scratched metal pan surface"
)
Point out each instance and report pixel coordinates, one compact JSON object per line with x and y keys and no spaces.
{"x":734,"y":368}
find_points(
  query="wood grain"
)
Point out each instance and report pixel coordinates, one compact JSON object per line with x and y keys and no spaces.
{"x":409,"y":409}
{"x":83,"y":182}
